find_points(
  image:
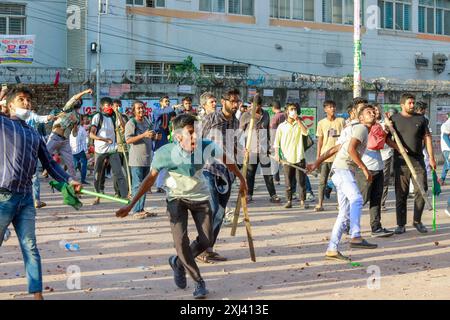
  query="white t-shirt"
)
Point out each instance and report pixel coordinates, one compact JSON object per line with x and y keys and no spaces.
{"x":106,"y":131}
{"x":78,"y":143}
{"x":343,"y":159}
{"x":445,"y":129}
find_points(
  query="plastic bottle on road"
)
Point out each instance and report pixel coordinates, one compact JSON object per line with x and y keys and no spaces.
{"x":95,"y":230}
{"x":63,"y":244}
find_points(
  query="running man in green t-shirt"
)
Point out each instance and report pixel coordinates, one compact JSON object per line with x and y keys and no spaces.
{"x":184,"y":160}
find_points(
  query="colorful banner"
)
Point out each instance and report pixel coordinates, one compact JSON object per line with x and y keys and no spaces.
{"x":309,"y":116}
{"x":386,"y":107}
{"x":17,"y":49}
{"x":89,"y":107}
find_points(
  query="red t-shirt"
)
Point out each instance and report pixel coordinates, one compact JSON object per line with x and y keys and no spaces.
{"x":377,"y":137}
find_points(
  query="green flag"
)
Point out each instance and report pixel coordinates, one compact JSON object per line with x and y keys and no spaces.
{"x":69,"y":196}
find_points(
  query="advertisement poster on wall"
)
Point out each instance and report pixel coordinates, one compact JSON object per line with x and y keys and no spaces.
{"x":89,"y":107}
{"x":309,"y":116}
{"x":16,"y":49}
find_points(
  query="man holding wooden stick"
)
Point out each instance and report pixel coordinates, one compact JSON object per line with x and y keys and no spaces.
{"x":221,"y":126}
{"x":413,"y":132}
{"x":289,"y":140}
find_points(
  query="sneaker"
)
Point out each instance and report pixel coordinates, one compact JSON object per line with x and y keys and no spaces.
{"x":420,"y":227}
{"x":179,"y":274}
{"x":382,"y":233}
{"x":288,"y":205}
{"x":400,"y":230}
{"x":85,"y":182}
{"x":228,"y":219}
{"x":160,"y":190}
{"x":200,"y":290}
{"x":275,"y":199}
{"x":363,"y":245}
{"x":310,"y":197}
{"x":327,"y":193}
{"x":336,"y":255}
{"x":383,"y":208}
{"x":249,"y":199}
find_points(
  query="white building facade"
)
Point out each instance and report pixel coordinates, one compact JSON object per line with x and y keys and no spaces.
{"x":280,"y":45}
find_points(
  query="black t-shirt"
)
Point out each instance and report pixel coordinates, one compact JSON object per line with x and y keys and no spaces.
{"x":411,"y":131}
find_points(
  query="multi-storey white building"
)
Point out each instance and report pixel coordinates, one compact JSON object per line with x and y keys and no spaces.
{"x":247,"y":43}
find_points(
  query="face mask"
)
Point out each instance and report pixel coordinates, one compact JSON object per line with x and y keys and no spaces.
{"x":292,"y":114}
{"x":22,"y":114}
{"x":109,"y":111}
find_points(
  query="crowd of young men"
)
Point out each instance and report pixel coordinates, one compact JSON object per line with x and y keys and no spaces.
{"x":194,"y":156}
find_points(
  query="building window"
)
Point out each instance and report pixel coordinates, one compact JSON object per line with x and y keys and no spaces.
{"x":147,"y":3}
{"x":154,"y":71}
{"x":338,"y":11}
{"x":434,"y":16}
{"x":12,"y":19}
{"x":292,"y":9}
{"x":241,"y":7}
{"x":221,"y":70}
{"x":395,"y":15}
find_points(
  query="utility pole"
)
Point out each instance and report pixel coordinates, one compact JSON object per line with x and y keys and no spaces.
{"x":357,"y":79}
{"x":101,"y":11}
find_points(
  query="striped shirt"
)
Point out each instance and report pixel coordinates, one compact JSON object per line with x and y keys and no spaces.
{"x":218,"y":128}
{"x":20,"y":148}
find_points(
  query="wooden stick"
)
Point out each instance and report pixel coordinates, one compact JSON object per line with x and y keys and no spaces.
{"x":121,"y":142}
{"x":248,"y":229}
{"x":241,"y":198}
{"x":284,"y":162}
{"x":405,"y":156}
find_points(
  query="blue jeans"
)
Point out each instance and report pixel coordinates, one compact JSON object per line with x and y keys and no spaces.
{"x":81,"y":158}
{"x":18,"y":209}
{"x":446,"y":166}
{"x":138,"y":175}
{"x":219,"y":201}
{"x":36,"y":186}
{"x":308,"y":185}
{"x":350,"y":207}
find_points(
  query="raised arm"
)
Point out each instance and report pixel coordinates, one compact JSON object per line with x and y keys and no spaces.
{"x":75,"y":98}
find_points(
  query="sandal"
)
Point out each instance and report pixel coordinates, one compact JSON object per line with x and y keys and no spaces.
{"x":203,"y":258}
{"x":214,"y":256}
{"x":139,"y":215}
{"x":319,"y":209}
{"x":150,"y":214}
